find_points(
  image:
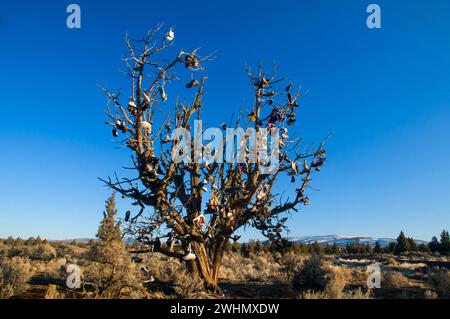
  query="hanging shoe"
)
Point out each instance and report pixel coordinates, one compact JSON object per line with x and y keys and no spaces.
{"x":123,"y":127}
{"x":166,"y":139}
{"x":147,"y":127}
{"x":189,"y":256}
{"x":252,"y":116}
{"x":264,"y":81}
{"x":199,"y":220}
{"x":131,"y":104}
{"x":163,"y":94}
{"x":191,"y":84}
{"x":305,"y":168}
{"x":289,"y":87}
{"x":170,"y":35}
{"x":294,"y":168}
{"x":191,"y":61}
{"x":147,"y":98}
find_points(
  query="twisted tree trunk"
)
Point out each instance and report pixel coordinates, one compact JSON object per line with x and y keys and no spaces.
{"x":206,"y":266}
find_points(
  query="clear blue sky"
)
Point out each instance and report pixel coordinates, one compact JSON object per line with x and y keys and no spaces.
{"x":384,"y":93}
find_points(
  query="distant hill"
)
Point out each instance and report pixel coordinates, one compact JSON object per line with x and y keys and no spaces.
{"x":342,"y":240}
{"x":87,"y":240}
{"x":77,"y":240}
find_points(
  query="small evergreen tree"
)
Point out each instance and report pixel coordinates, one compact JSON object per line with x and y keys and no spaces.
{"x":251,"y":247}
{"x":367,"y":249}
{"x":402,"y":243}
{"x":258,"y":247}
{"x":327,"y":250}
{"x":335,"y":249}
{"x":444,"y":245}
{"x":434,"y":244}
{"x":423,"y":248}
{"x":353,"y":248}
{"x":244,"y":250}
{"x":412,"y":244}
{"x":315,"y":249}
{"x":227,"y":246}
{"x":108,"y":229}
{"x":391,"y":248}
{"x":347,"y":248}
{"x":235,"y":247}
{"x":31,"y":241}
{"x":378,"y":249}
{"x":301,"y":248}
{"x":112,"y":271}
{"x":9,"y":241}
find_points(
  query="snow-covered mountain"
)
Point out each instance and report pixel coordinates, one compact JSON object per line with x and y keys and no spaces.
{"x":342,"y":240}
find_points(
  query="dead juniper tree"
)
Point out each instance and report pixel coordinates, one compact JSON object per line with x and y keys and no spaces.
{"x":196,"y":206}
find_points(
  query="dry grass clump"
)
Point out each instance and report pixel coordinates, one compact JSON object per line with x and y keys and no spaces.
{"x":440,"y":278}
{"x":429,"y":294}
{"x":290,"y":264}
{"x":356,"y":262}
{"x":112,"y":273}
{"x":413,"y":266}
{"x":70,"y":252}
{"x":229,"y":268}
{"x":358,"y":275}
{"x":187,"y":286}
{"x":338,"y":281}
{"x":14,"y":276}
{"x":44,"y":252}
{"x":54,"y":268}
{"x":259,"y":267}
{"x":265,"y":267}
{"x":394,"y":279}
{"x":159,"y":295}
{"x":391,"y":261}
{"x":53,"y":293}
{"x":318,"y":279}
{"x":357,"y":294}
{"x":161,"y":267}
{"x":3,"y":250}
{"x":20,"y":251}
{"x":313,"y":275}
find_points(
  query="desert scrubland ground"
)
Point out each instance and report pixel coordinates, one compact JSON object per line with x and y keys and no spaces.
{"x":38,"y":269}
